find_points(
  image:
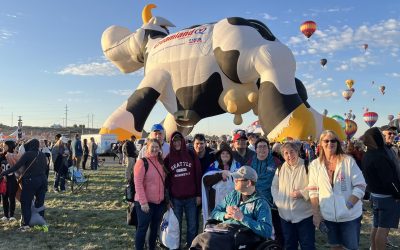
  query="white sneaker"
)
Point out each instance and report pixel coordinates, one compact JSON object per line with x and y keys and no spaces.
{"x":4,"y":218}
{"x":12,"y":219}
{"x":24,"y":229}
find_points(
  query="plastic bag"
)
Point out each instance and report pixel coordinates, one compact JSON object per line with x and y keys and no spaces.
{"x":169,"y":230}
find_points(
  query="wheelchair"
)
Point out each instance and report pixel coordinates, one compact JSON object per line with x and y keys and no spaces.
{"x":245,"y":238}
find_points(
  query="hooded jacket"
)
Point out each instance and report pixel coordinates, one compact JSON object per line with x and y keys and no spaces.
{"x":184,"y":179}
{"x":32,"y":156}
{"x":379,"y":169}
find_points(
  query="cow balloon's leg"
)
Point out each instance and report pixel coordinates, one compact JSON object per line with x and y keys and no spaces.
{"x":130,"y":117}
{"x":171,"y":126}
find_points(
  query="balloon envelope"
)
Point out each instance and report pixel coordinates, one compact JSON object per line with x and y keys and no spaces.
{"x":323,"y":62}
{"x":349,"y":83}
{"x":390,"y":117}
{"x":347,"y":94}
{"x":350,"y":129}
{"x":370,"y":118}
{"x":382,"y":89}
{"x":308,"y":28}
{"x":365,"y":46}
{"x":340,"y":120}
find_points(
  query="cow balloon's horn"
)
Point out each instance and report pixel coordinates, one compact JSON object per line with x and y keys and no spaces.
{"x":146,"y":13}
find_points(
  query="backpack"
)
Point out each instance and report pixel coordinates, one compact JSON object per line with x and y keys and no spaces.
{"x":130,"y":190}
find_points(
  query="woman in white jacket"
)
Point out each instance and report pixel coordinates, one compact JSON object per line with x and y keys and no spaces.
{"x":336,"y":186}
{"x":289,"y":190}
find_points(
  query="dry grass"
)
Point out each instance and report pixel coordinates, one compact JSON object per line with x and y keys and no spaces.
{"x":95,"y":219}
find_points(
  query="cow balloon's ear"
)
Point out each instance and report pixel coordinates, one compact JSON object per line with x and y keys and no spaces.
{"x":161,"y":21}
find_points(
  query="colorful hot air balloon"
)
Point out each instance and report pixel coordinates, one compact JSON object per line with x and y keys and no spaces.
{"x":308,"y":28}
{"x":323,"y":61}
{"x":365,"y":46}
{"x":350,"y":129}
{"x":349,"y":83}
{"x":347,"y":94}
{"x":390,"y":117}
{"x":340,"y":120}
{"x":382,"y":89}
{"x":370,"y":118}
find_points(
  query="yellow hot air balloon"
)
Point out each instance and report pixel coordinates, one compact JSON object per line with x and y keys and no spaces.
{"x":349,"y":83}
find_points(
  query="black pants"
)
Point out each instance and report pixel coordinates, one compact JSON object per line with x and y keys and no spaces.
{"x":32,"y":187}
{"x":85,"y":157}
{"x":9,"y":196}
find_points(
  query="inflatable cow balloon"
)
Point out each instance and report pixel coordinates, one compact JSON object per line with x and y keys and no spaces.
{"x":234,"y":65}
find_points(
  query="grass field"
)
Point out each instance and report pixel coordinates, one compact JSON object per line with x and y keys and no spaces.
{"x":95,"y":219}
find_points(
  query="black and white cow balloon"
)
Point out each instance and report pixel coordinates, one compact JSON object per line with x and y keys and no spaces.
{"x":234,"y":65}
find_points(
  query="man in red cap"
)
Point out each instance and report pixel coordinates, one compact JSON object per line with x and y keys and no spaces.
{"x":242,"y":153}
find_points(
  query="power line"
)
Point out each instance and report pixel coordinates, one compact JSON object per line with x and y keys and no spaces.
{"x":66,"y":115}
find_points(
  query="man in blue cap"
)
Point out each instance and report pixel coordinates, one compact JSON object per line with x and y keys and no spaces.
{"x":157,"y":132}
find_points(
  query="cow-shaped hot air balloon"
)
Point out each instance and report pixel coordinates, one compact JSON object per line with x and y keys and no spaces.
{"x":234,"y":65}
{"x":370,"y":118}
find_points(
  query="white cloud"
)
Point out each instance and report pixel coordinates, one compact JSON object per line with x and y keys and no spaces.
{"x":394,"y":74}
{"x":101,"y":67}
{"x":5,"y":34}
{"x":364,"y":92}
{"x":122,"y":92}
{"x":342,"y":67}
{"x":74,"y":92}
{"x":319,"y":89}
{"x":267,"y":16}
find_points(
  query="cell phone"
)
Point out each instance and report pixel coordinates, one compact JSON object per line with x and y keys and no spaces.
{"x":323,"y":228}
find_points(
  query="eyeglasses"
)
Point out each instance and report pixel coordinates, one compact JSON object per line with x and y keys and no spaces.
{"x":390,"y":133}
{"x":331,"y":141}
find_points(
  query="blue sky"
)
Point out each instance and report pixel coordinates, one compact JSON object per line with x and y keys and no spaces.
{"x":50,"y":55}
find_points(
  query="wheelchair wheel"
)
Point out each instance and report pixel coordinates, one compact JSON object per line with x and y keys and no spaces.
{"x":269,"y":245}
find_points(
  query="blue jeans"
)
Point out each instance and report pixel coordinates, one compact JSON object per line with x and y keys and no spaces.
{"x":190,"y":207}
{"x":302,"y":232}
{"x":152,"y":219}
{"x":32,"y":187}
{"x":346,"y":234}
{"x":93,"y":162}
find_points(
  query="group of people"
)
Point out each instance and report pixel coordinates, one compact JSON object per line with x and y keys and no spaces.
{"x":25,"y":170}
{"x":275,"y":193}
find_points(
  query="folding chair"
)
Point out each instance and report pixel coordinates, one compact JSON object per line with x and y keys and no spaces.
{"x":78,"y":179}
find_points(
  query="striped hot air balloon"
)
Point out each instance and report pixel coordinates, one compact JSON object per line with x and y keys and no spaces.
{"x":370,"y":118}
{"x":351,"y":128}
{"x":308,"y":28}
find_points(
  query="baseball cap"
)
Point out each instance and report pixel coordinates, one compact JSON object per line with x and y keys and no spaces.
{"x":245,"y":172}
{"x":387,"y":127}
{"x":157,"y":127}
{"x":239,"y":136}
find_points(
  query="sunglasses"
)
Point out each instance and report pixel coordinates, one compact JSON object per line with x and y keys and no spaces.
{"x":331,"y":141}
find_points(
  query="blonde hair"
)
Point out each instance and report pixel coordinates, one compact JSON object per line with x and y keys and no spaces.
{"x":339,"y":151}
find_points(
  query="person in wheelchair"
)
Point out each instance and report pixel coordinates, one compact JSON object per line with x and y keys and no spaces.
{"x":241,"y":221}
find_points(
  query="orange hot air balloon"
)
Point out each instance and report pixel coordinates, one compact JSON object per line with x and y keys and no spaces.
{"x":308,"y":28}
{"x":349,"y":83}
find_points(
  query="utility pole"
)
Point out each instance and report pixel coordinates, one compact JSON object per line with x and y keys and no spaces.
{"x":66,"y":115}
{"x":88,"y":121}
{"x":19,"y":133}
{"x":12,"y":118}
{"x":92,"y":120}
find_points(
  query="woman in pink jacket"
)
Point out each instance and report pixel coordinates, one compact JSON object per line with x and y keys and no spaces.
{"x":149,"y":197}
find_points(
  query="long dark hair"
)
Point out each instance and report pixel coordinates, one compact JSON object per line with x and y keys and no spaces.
{"x":227,"y":149}
{"x":11,"y":146}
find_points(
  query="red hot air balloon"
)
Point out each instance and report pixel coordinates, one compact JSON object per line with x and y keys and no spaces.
{"x":370,"y":118}
{"x":350,"y":129}
{"x":308,"y":28}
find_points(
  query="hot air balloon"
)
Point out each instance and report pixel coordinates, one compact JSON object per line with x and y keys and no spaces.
{"x":325,"y":112}
{"x":347,"y":94}
{"x":370,"y":118}
{"x":352,"y":90}
{"x":340,"y":120}
{"x":373,"y":82}
{"x":350,"y":129}
{"x":390,"y":117}
{"x":349,"y":83}
{"x":353,"y":117}
{"x":382,"y":89}
{"x":373,"y":99}
{"x":308,"y":28}
{"x":348,"y":116}
{"x":365,"y":45}
{"x":323,"y":62}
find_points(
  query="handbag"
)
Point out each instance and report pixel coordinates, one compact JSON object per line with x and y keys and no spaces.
{"x":131,"y":216}
{"x":19,"y":180}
